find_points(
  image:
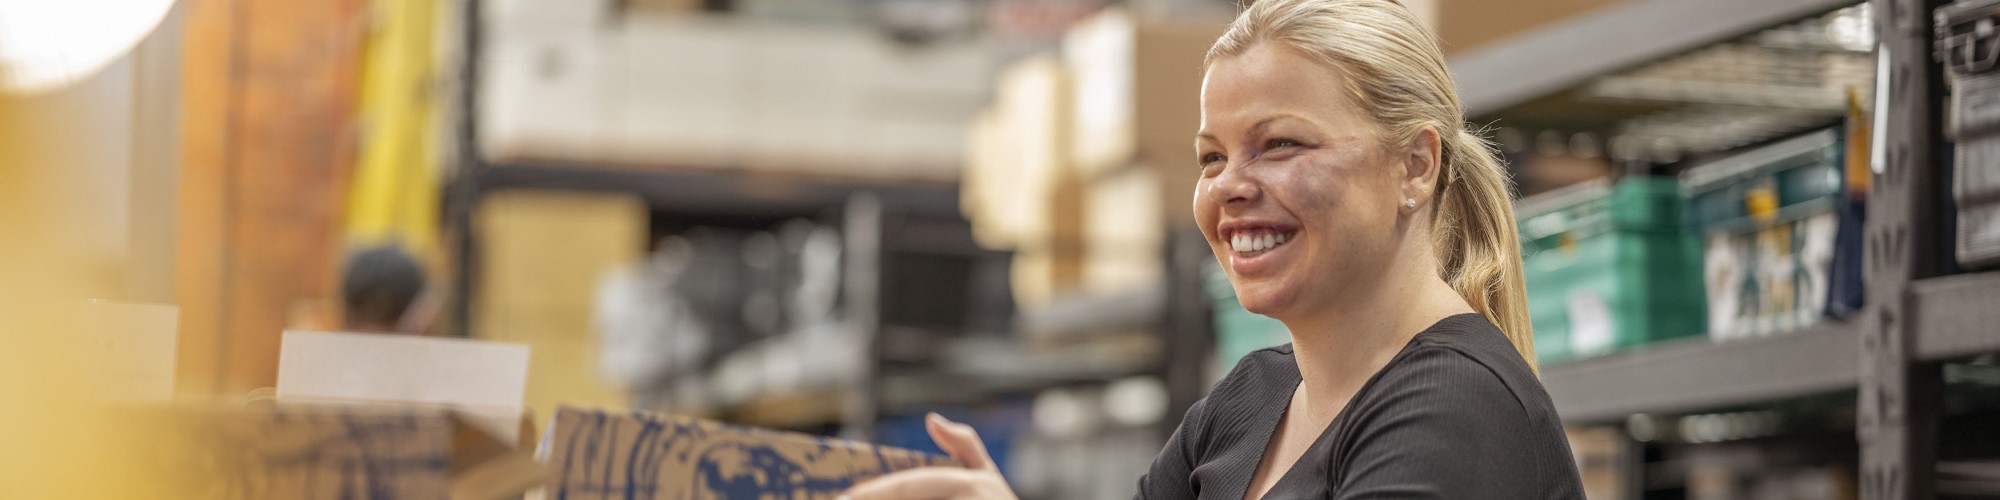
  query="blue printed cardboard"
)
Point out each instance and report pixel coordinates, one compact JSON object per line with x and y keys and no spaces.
{"x":597,"y":454}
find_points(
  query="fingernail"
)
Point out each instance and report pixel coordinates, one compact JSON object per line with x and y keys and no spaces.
{"x":939,"y":419}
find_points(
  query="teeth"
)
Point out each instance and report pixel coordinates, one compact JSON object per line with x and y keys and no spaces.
{"x":1251,"y":243}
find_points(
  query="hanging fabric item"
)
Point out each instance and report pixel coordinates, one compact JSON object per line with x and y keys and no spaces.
{"x":394,"y":195}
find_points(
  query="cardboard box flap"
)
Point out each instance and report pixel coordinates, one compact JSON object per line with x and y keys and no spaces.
{"x":334,"y":452}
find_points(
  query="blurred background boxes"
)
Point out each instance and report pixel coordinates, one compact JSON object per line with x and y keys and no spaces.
{"x":1137,"y":89}
{"x":647,"y":89}
{"x":1009,"y":179}
{"x":543,"y":254}
{"x":1468,"y":24}
{"x":1609,"y":266}
{"x":1768,"y":223}
{"x":1077,"y":166}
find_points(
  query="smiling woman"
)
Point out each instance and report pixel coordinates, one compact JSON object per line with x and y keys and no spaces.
{"x":1344,"y":196}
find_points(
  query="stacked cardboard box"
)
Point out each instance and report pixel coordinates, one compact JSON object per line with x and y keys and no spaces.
{"x":647,"y":90}
{"x":542,"y":254}
{"x":1018,"y":189}
{"x":1137,"y":85}
{"x":1466,"y":25}
{"x":1085,"y":157}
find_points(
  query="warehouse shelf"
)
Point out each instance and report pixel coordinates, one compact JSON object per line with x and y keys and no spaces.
{"x":1957,"y":315}
{"x":1699,"y":374}
{"x":712,"y":191}
{"x":1556,"y":58}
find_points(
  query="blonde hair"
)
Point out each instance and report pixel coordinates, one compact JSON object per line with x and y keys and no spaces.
{"x":1397,"y":73}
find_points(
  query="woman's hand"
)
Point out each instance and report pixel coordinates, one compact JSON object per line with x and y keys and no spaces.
{"x":978,"y":480}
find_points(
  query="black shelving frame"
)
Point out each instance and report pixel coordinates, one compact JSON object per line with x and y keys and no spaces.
{"x":1900,"y":403}
{"x":1916,"y":317}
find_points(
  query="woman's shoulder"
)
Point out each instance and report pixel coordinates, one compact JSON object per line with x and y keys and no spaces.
{"x":1259,"y":374}
{"x":1462,"y":403}
{"x":1468,"y":341}
{"x":1465,"y":358}
{"x":1260,"y":379}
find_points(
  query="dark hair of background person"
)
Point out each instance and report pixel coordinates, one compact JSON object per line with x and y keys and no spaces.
{"x":377,"y":288}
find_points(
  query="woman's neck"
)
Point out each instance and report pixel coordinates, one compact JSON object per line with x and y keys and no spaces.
{"x":1344,"y":343}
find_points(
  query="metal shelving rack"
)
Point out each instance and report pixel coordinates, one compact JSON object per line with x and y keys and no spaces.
{"x":1696,"y":373}
{"x":1915,"y":318}
{"x":878,"y":219}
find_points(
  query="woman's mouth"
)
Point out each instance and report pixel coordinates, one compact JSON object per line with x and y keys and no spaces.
{"x":1254,"y":242}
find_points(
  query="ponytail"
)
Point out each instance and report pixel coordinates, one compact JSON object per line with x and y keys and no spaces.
{"x":1478,"y":247}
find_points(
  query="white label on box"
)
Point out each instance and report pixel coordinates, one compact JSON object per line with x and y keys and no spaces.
{"x":402,"y":369}
{"x":1590,"y":326}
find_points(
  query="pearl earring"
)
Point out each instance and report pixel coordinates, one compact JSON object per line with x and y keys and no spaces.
{"x":1410,"y":202}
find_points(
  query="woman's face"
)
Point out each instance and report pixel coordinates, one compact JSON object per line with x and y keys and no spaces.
{"x":1298,"y":197}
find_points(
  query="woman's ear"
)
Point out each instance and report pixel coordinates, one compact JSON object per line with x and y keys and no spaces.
{"x":1423,"y":160}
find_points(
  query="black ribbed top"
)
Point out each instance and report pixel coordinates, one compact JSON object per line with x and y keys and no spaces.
{"x":1456,"y":414}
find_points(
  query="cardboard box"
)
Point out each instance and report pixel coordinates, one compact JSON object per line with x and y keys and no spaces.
{"x":1018,"y":154}
{"x":327,"y":452}
{"x":1601,"y":453}
{"x":1138,"y":99}
{"x":628,"y":455}
{"x":542,"y":254}
{"x":1468,"y":24}
{"x":1124,"y":240}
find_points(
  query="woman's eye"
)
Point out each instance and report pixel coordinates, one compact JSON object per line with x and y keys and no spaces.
{"x":1211,"y":158}
{"x":1280,"y":143}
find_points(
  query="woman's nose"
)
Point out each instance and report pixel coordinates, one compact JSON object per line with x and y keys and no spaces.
{"x":1232,"y":187}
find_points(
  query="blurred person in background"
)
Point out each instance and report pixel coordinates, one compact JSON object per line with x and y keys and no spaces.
{"x":382,"y":291}
{"x":1345,"y":196}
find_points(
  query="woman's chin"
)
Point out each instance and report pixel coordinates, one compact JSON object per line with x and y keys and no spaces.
{"x":1262,"y":301}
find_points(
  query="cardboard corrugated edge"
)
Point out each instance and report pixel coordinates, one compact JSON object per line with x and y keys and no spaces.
{"x":484,"y":467}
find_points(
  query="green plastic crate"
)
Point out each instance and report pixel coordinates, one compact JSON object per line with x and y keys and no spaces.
{"x":1237,"y":331}
{"x":1610,"y":266}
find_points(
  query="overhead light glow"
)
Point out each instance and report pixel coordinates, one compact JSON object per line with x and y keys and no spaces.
{"x":49,"y":44}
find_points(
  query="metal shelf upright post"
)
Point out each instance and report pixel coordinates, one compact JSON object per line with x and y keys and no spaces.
{"x":1900,"y":398}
